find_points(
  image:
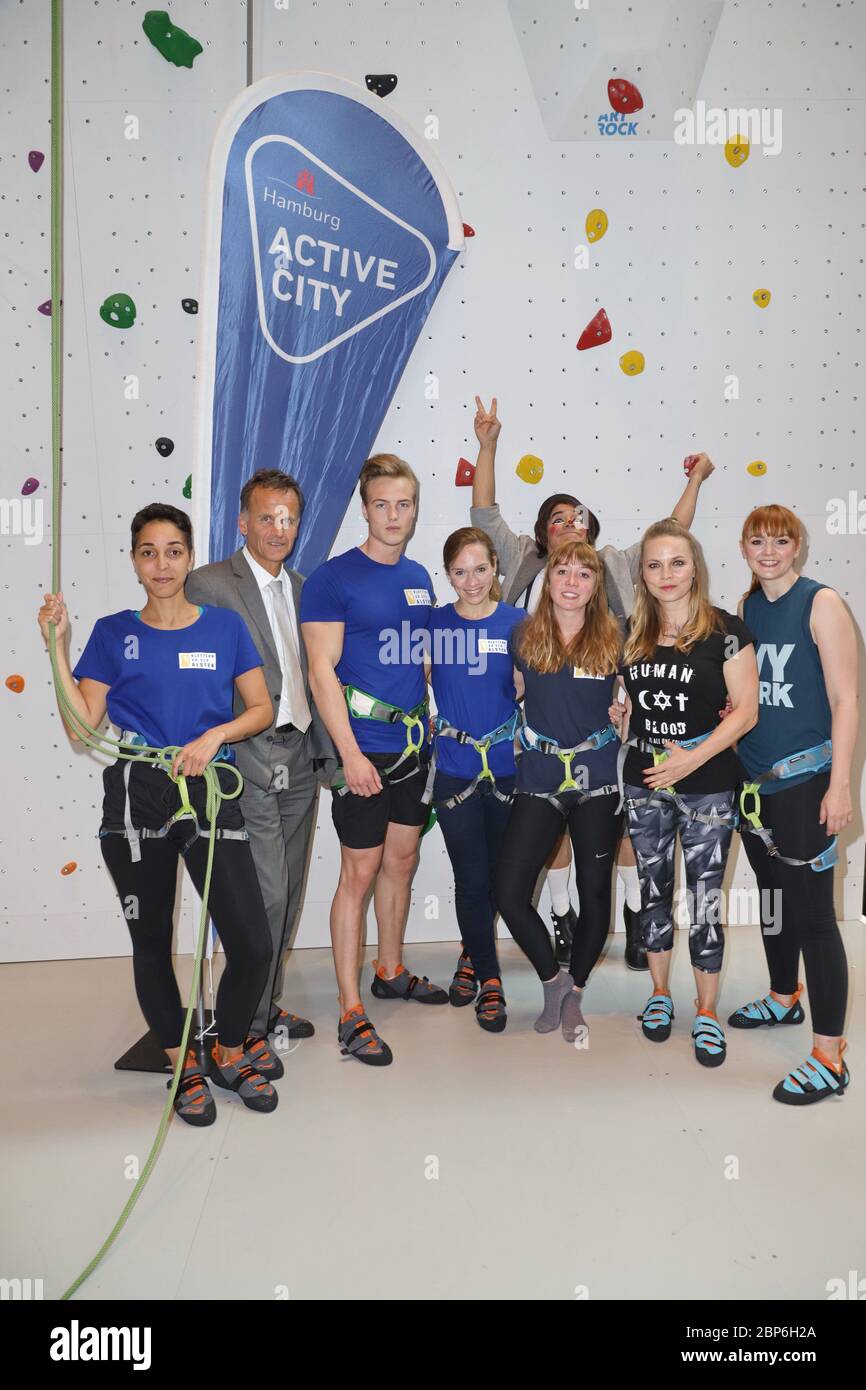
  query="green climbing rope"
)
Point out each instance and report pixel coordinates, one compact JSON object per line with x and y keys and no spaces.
{"x":101,"y":743}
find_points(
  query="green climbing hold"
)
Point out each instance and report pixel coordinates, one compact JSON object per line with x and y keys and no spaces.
{"x":175,"y":45}
{"x":118,"y":310}
{"x":187,"y":488}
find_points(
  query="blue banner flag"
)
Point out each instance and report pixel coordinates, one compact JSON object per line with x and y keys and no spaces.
{"x":330,"y":230}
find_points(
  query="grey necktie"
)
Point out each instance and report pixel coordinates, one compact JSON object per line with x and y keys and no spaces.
{"x":293,"y":679}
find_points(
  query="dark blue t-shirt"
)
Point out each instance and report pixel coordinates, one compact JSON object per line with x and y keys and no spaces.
{"x":473,"y":682}
{"x":386,"y":612}
{"x":568,"y":706}
{"x":793,"y":710}
{"x":169,"y":684}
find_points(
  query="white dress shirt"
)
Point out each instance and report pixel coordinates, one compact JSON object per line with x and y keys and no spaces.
{"x":286,"y":714}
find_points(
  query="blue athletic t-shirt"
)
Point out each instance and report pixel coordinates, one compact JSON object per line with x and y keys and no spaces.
{"x":473,"y":682}
{"x":568,"y":706}
{"x":169,"y":685}
{"x":793,"y":710}
{"x":386,"y":613}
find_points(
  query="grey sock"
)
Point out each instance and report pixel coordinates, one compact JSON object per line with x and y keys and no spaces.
{"x":554,"y":992}
{"x":572,"y":1016}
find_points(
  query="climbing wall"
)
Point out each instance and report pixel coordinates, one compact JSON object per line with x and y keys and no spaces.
{"x":636,"y":290}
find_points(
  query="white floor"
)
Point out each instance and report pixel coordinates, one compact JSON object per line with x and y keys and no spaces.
{"x":601,"y":1173}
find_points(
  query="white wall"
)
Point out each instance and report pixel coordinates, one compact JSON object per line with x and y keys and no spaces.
{"x":689,"y":240}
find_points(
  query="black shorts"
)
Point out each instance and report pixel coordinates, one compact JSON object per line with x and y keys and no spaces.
{"x":361,"y":822}
{"x":154,"y":798}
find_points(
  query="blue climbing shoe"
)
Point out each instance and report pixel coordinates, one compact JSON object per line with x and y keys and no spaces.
{"x":709,"y":1039}
{"x":816,"y":1079}
{"x":767,"y":1012}
{"x":657,"y":1017}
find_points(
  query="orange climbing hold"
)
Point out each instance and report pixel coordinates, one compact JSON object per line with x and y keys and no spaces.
{"x":597,"y":331}
{"x":69,"y":868}
{"x":15,"y":684}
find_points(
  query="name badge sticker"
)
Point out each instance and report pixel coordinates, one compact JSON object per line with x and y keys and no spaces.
{"x":418,"y":598}
{"x":493,"y":644}
{"x":196,"y":661}
{"x":579,"y":674}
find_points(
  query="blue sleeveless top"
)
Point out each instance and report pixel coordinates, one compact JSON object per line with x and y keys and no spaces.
{"x":793,"y":709}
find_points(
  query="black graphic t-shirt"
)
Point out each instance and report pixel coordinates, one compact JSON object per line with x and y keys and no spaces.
{"x":677,"y":696}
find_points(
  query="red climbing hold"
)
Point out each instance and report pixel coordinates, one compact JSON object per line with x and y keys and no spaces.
{"x":467,"y":230}
{"x":35,"y":159}
{"x":624,"y":96}
{"x":597,"y":331}
{"x":465,"y":473}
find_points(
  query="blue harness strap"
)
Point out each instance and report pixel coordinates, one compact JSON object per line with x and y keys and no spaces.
{"x":662,"y":794}
{"x":505,"y":733}
{"x":815,"y":759}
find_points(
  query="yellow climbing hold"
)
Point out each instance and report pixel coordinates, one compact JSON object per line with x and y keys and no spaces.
{"x":596,"y":224}
{"x":762,"y":298}
{"x":757,"y":469}
{"x":737,"y":151}
{"x":632,"y":362}
{"x":530,"y":469}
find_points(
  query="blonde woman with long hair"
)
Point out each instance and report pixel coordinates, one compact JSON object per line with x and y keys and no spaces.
{"x":567,"y":653}
{"x":683,"y":657}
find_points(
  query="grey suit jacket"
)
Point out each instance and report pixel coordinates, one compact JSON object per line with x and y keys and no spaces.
{"x":232,"y":584}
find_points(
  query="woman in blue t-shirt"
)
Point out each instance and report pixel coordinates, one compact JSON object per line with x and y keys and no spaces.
{"x":473,"y":681}
{"x":166,"y":676}
{"x":798,"y":762}
{"x":567,"y":653}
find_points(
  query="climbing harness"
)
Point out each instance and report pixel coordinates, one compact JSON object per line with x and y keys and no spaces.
{"x":364,"y":706}
{"x":534,"y":742}
{"x":505,"y":733}
{"x":661,"y":795}
{"x":186,"y":810}
{"x":815,"y":759}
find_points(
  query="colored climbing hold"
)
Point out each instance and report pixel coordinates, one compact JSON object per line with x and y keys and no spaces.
{"x":597,"y":331}
{"x":624,"y":96}
{"x":465,"y":473}
{"x":467,"y":230}
{"x":118,"y":310}
{"x":757,"y":469}
{"x":596,"y":224}
{"x":164,"y":446}
{"x":69,"y":868}
{"x":382,"y":83}
{"x":187,"y":488}
{"x":737,"y":151}
{"x":175,"y":45}
{"x":35,"y":159}
{"x":632,"y":362}
{"x":45,"y":308}
{"x":15,"y":684}
{"x":29,"y":485}
{"x":189,"y":306}
{"x":530,"y":469}
{"x":762,"y":298}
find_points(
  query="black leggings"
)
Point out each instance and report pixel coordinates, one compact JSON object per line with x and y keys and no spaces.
{"x":533,"y":829}
{"x":797,"y":912}
{"x":146,"y":889}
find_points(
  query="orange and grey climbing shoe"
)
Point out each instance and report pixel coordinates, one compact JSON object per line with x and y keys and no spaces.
{"x":490,"y":1009}
{"x":358,"y":1038}
{"x":255,"y":1092}
{"x":464,"y":984}
{"x":193,"y":1100}
{"x":403,"y":985}
{"x":262,"y":1059}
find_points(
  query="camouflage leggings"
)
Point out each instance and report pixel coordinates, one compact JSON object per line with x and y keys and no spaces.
{"x":653,"y":828}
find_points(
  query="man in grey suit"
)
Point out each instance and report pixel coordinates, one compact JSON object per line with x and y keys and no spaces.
{"x":280,"y":765}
